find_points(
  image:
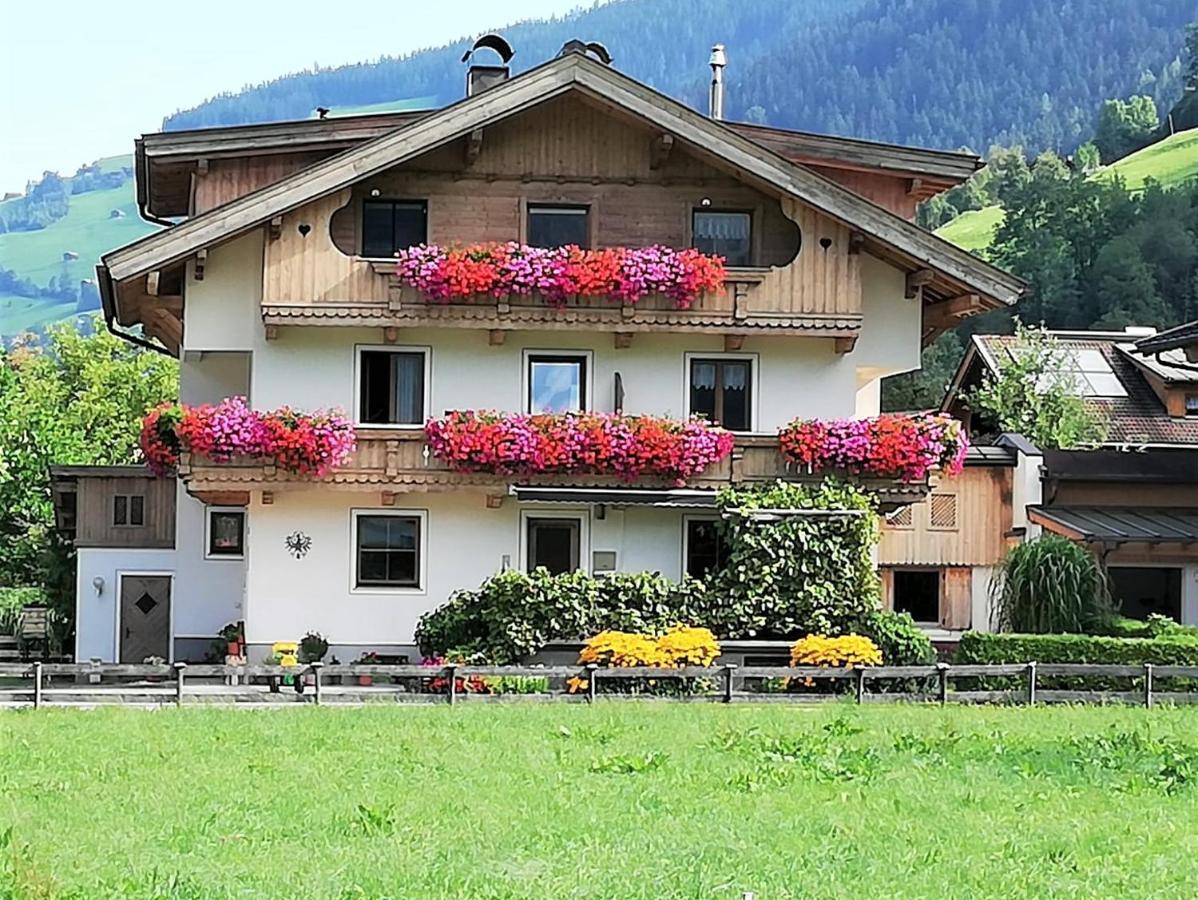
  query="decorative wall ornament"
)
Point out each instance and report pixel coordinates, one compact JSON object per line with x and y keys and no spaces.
{"x":298,"y":544}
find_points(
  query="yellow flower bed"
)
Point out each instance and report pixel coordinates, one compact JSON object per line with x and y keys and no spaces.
{"x":846,"y":651}
{"x":678,"y":647}
{"x":683,"y":646}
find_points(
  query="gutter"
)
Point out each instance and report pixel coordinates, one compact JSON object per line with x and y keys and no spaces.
{"x":108,"y":304}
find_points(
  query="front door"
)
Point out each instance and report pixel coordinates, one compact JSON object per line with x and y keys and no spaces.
{"x":145,"y":617}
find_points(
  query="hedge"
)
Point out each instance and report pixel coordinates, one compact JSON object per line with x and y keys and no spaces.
{"x":1175,"y":649}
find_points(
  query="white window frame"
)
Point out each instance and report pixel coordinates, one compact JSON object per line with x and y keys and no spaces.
{"x":588,"y":385}
{"x":686,"y":520}
{"x":245,"y":532}
{"x":582,"y":515}
{"x":426,"y":351}
{"x":754,"y":384}
{"x":420,"y":589}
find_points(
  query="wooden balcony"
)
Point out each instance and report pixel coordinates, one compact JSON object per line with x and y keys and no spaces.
{"x":394,"y":461}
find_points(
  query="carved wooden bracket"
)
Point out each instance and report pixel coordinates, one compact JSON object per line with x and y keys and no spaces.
{"x":275,"y":229}
{"x":391,"y":454}
{"x":916,"y":280}
{"x":390,"y":334}
{"x":200,"y":261}
{"x":733,"y":342}
{"x":387,"y":498}
{"x":843,"y":345}
{"x":474,"y":145}
{"x":856,"y":242}
{"x":268,"y":498}
{"x":153,"y":279}
{"x":494,"y":501}
{"x":623,"y":340}
{"x":272,"y":332}
{"x":496,"y":337}
{"x":659,"y":152}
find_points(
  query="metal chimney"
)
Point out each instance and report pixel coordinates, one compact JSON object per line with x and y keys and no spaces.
{"x":480,"y":77}
{"x":716,"y":100}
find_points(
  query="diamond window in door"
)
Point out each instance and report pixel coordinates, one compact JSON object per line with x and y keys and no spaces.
{"x":145,"y":603}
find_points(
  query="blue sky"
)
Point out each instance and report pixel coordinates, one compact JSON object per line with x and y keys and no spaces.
{"x":79,"y":81}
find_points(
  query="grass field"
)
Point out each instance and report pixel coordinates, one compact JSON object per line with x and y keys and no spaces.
{"x":617,"y":801}
{"x":973,"y":230}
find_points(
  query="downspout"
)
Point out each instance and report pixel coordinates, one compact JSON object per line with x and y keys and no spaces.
{"x":108,"y":304}
{"x":141,"y":181}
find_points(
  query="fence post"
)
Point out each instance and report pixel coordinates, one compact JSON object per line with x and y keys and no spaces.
{"x":1031,"y":684}
{"x":942,"y":675}
{"x":453,"y":683}
{"x":729,"y":673}
{"x":592,"y":681}
{"x":1148,"y":685}
{"x":37,"y":685}
{"x":316,"y":667}
{"x":179,"y":667}
{"x":859,"y":673}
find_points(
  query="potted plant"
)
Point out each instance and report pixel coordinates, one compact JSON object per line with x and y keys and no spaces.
{"x":312,"y":647}
{"x":231,"y":635}
{"x":367,"y":659}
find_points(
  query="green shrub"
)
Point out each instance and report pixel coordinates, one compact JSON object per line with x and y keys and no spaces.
{"x":1050,"y":585}
{"x":898,"y":637}
{"x":12,"y":599}
{"x":515,"y":614}
{"x":794,"y":575}
{"x":1154,"y":626}
{"x":1171,"y":650}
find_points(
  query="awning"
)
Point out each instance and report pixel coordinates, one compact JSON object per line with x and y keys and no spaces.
{"x":679,"y":498}
{"x":1119,"y":524}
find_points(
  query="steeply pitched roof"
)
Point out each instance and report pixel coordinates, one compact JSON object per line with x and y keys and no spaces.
{"x":1133,"y":412}
{"x":573,"y":72}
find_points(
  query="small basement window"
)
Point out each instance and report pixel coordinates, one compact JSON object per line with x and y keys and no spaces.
{"x":129,"y":510}
{"x":917,"y":591}
{"x":390,"y":225}
{"x":726,"y":234}
{"x":226,"y":533}
{"x":558,"y":225}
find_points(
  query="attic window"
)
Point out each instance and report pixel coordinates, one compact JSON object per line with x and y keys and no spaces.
{"x":1192,"y":404}
{"x":558,"y":226}
{"x":129,"y":510}
{"x":726,"y":234}
{"x":390,"y":225}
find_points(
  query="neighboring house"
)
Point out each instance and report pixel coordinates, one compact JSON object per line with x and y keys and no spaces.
{"x":1134,"y":498}
{"x":278,"y":284}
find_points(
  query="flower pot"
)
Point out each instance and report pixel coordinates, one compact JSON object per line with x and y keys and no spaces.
{"x":234,"y":648}
{"x":365,"y":680}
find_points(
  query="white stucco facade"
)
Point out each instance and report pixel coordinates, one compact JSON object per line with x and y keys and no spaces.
{"x":280,"y":596}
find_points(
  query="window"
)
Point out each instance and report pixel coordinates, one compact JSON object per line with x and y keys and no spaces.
{"x":390,"y":225}
{"x":721,"y":391}
{"x":129,"y":510}
{"x":391,"y":386}
{"x":1140,"y":591}
{"x":226,"y":533}
{"x":726,"y":234}
{"x":942,"y":512}
{"x":388,"y":550}
{"x":917,"y":591}
{"x":558,"y":226}
{"x":557,"y":384}
{"x":553,"y":544}
{"x":1192,"y":404}
{"x":705,"y":548}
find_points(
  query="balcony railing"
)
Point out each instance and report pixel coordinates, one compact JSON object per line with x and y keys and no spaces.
{"x":398,"y":461}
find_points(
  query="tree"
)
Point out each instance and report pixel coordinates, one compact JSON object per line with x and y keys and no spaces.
{"x":1125,"y":126}
{"x":1036,"y":395}
{"x":1191,"y":52}
{"x":77,"y":399}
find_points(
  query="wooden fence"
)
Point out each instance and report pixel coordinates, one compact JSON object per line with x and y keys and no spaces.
{"x":81,"y":684}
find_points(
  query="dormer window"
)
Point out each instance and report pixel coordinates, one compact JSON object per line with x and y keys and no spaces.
{"x":557,"y":225}
{"x":390,"y":225}
{"x":724,"y":233}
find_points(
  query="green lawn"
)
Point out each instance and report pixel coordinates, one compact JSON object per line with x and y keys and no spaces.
{"x":623,"y":800}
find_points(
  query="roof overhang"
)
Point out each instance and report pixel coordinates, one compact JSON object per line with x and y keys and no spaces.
{"x":952,"y":274}
{"x":1182,"y":337}
{"x":1118,"y":524}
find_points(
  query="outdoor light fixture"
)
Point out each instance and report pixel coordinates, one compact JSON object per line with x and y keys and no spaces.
{"x":98,"y":584}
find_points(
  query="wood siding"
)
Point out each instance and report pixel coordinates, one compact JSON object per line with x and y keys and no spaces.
{"x":568,"y":152}
{"x":983,"y":519}
{"x":1107,"y":493}
{"x":228,"y":179}
{"x":94,"y":513}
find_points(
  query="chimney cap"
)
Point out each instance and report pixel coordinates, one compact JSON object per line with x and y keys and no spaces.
{"x":491,"y":42}
{"x":718,"y":57}
{"x":593,"y":49}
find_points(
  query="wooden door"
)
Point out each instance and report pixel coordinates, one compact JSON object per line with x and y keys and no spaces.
{"x":145,"y":617}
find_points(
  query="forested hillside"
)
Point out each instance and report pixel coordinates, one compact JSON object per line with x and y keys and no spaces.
{"x":943,"y":73}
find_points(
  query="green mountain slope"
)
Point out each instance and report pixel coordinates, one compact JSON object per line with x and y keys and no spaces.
{"x":96,"y":222}
{"x":1170,"y":162}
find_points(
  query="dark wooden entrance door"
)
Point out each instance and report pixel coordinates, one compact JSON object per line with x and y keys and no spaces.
{"x":145,"y":617}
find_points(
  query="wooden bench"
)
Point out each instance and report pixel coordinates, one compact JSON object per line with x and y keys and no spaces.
{"x":33,"y":630}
